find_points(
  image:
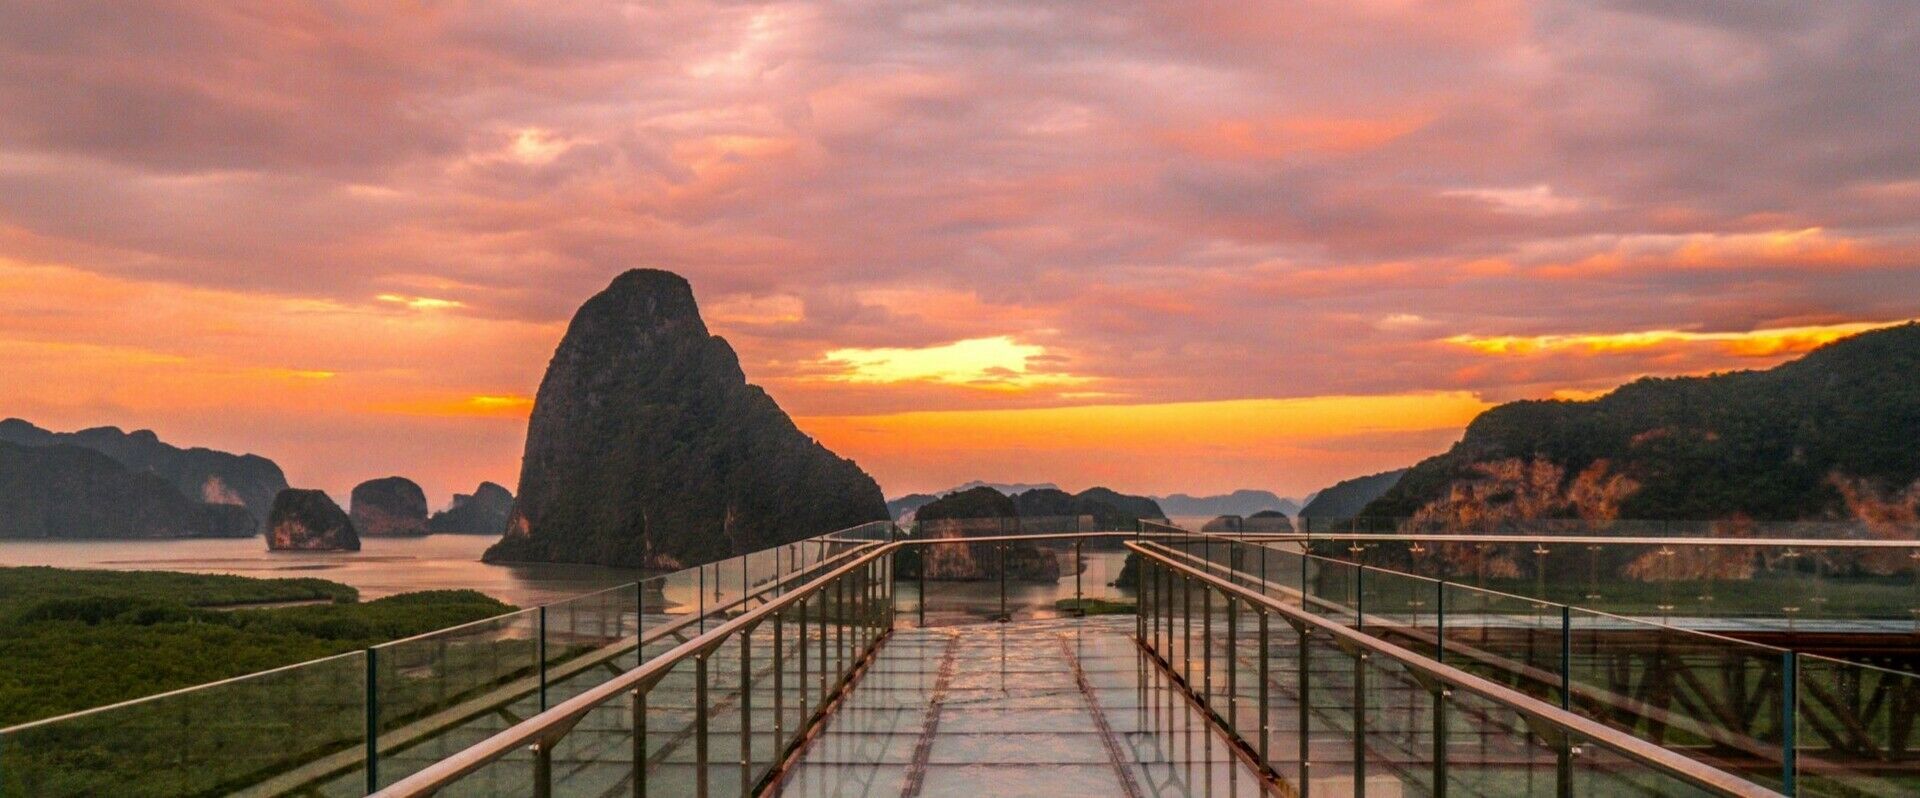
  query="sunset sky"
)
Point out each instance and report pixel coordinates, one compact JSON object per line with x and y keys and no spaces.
{"x":1160,"y":246}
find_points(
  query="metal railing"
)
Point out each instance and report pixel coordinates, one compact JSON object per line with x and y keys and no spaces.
{"x":843,"y":613}
{"x":1366,"y":704}
{"x":353,"y":722}
{"x":1819,"y":705}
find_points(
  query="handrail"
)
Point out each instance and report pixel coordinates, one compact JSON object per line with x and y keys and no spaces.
{"x":547,"y":726}
{"x":1645,"y":753}
{"x":556,"y":721}
{"x":1497,"y":538}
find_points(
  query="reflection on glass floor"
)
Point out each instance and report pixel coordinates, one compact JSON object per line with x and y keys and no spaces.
{"x":1042,"y":708}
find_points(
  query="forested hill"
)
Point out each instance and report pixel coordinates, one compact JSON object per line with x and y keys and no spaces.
{"x":1834,"y":434}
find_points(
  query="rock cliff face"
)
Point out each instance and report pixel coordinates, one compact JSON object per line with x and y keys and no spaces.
{"x":389,"y":506}
{"x":647,"y":447}
{"x":200,"y":475}
{"x":69,"y":492}
{"x":308,"y":520}
{"x":483,"y":512}
{"x":1828,"y":436}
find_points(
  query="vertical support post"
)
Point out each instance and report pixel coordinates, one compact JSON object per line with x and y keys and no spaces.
{"x":839,"y":631}
{"x":1004,"y":615}
{"x":1206,"y":647}
{"x":542,"y":649}
{"x":1266,"y":720}
{"x":825,"y":685}
{"x":639,"y":622}
{"x":1440,"y":698}
{"x":1440,"y":621}
{"x":542,"y":769}
{"x":1360,"y":597}
{"x":373,"y":720}
{"x":1563,"y":765}
{"x":1078,"y":599}
{"x":921,"y":612}
{"x":639,"y":743}
{"x":1233,"y":664}
{"x":700,"y":722}
{"x":1304,"y":680}
{"x":1360,"y":724}
{"x":801,"y":629}
{"x":701,"y":591}
{"x":1186,"y":629}
{"x":1566,"y":657}
{"x":746,"y":709}
{"x":1789,"y":722}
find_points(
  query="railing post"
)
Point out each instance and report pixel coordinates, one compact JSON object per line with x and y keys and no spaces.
{"x":921,"y":612}
{"x":1304,"y":680}
{"x":1360,"y":724}
{"x":542,"y":769}
{"x":801,"y":629}
{"x":1206,"y":647}
{"x":1789,"y":722}
{"x":701,"y":592}
{"x":1266,"y":725}
{"x":1004,"y":615}
{"x":1440,"y":697}
{"x":1360,"y":597}
{"x":700,"y":722}
{"x":1566,"y":657}
{"x":825,"y":685}
{"x":639,"y":744}
{"x":1440,"y":621}
{"x":373,"y":720}
{"x":1233,"y":663}
{"x":1079,"y":601}
{"x":542,"y":649}
{"x":1187,"y":630}
{"x":746,"y":711}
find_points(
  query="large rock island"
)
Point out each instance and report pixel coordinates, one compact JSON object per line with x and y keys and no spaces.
{"x":389,"y":506}
{"x":482,"y":512}
{"x":1829,"y":436}
{"x":647,"y":447}
{"x":308,"y":520}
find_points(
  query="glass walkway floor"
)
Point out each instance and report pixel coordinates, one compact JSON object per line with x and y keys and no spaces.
{"x":1058,"y":708}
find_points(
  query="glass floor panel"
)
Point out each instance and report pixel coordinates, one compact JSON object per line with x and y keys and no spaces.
{"x":1052,"y":709}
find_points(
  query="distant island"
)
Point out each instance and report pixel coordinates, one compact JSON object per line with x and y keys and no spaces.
{"x":1243,"y":502}
{"x":105,"y":483}
{"x":648,"y":448}
{"x":1335,"y":505}
{"x":482,"y":512}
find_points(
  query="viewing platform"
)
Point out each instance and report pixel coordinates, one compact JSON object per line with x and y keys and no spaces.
{"x":1227,"y":665}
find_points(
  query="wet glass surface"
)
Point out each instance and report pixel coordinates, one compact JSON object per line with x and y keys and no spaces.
{"x":1052,"y":708}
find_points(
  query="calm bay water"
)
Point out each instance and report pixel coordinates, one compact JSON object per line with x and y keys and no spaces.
{"x":383,"y":567}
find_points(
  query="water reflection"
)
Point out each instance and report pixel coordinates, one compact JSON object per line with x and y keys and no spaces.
{"x":383,"y":567}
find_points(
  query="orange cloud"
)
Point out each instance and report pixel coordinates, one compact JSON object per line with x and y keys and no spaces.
{"x":1753,"y":343}
{"x":1279,"y":137}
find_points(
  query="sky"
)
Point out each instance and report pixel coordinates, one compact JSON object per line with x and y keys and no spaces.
{"x":1160,"y":246}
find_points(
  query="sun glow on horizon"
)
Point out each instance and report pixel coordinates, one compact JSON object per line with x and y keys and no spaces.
{"x":1767,"y":342}
{"x":997,"y":363}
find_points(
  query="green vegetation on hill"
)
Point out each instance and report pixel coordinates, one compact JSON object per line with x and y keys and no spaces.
{"x":80,"y":639}
{"x":1346,"y":498}
{"x":1830,"y":435}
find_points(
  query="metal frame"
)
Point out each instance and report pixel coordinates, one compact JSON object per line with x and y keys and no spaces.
{"x":1543,"y":718}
